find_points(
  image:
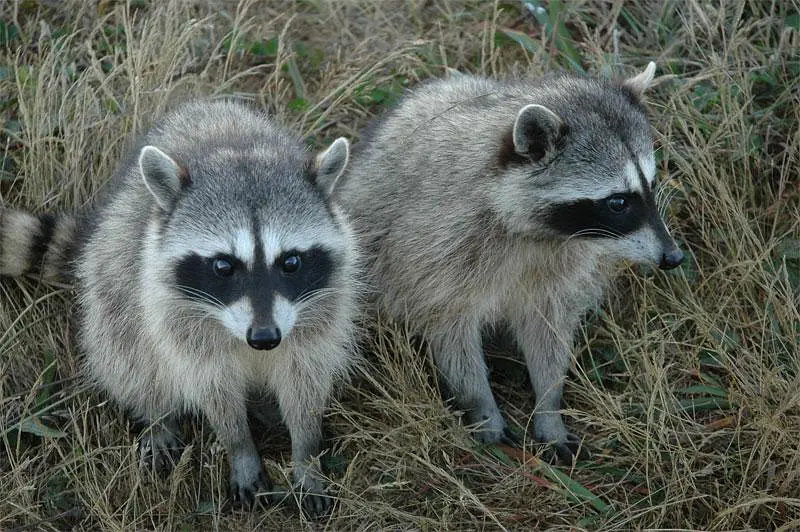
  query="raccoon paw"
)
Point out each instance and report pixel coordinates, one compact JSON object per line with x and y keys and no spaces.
{"x":570,"y":449}
{"x":247,"y":480}
{"x":159,"y":449}
{"x":312,"y":494}
{"x":510,"y":438}
{"x":491,"y":429}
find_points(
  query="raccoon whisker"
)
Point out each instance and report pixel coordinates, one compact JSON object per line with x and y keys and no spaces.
{"x":197,"y":292}
{"x":318,"y":294}
{"x":313,"y":288}
{"x":659,"y":192}
{"x":194,"y":317}
{"x":314,"y":319}
{"x":607,"y":233}
{"x":665,"y":200}
{"x":604,"y":233}
{"x":660,"y":195}
{"x":200,"y":295}
{"x":320,"y":291}
{"x":189,"y":298}
{"x":193,"y":301}
{"x":314,"y":322}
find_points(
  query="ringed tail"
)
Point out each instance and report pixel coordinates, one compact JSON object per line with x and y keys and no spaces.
{"x":38,"y":244}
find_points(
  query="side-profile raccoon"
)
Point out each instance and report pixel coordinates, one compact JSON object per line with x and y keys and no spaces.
{"x":486,"y":202}
{"x":216,"y":267}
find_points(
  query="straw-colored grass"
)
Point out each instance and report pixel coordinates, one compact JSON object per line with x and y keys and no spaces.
{"x":686,"y":385}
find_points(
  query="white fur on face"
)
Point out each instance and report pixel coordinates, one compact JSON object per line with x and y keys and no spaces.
{"x":237,"y":317}
{"x":648,"y":166}
{"x":271,"y":240}
{"x":244,"y":247}
{"x":205,"y":245}
{"x":301,"y":239}
{"x":284,"y":314}
{"x":239,"y":243}
{"x":631,"y":175}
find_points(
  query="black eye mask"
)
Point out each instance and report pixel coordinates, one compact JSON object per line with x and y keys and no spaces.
{"x":224,"y":279}
{"x":620,"y":214}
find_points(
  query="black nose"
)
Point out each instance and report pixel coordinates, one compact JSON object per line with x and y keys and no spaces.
{"x":263,"y":338}
{"x":671,"y":259}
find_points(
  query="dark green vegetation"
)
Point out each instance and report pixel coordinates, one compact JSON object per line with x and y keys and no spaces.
{"x":687,"y":384}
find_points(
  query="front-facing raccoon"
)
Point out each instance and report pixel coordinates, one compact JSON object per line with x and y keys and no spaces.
{"x":216,"y":267}
{"x":486,"y":202}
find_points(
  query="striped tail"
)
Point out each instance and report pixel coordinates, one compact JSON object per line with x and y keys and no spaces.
{"x":42,"y":244}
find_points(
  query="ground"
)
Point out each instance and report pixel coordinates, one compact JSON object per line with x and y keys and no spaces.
{"x":686,"y":384}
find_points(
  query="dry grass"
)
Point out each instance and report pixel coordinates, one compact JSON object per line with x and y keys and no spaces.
{"x":686,"y":387}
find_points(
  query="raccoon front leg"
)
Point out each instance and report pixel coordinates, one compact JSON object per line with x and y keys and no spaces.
{"x":458,"y":352}
{"x":160,"y":445}
{"x":547,"y":346}
{"x":302,"y":400}
{"x":227,"y":414}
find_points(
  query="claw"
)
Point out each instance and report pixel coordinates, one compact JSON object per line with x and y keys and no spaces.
{"x":316,"y":506}
{"x":570,"y":449}
{"x":245,"y":495}
{"x":314,"y":499}
{"x":490,"y":431}
{"x":159,"y":450}
{"x":510,"y":438}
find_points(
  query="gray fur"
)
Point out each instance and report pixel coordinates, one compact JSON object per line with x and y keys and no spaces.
{"x":449,"y":195}
{"x":203,"y":175}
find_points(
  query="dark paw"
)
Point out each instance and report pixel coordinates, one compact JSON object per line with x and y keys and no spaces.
{"x":570,"y":449}
{"x":243,"y":494}
{"x":316,"y":506}
{"x":488,"y":429}
{"x":313,"y":497}
{"x":159,"y":451}
{"x":510,"y":438}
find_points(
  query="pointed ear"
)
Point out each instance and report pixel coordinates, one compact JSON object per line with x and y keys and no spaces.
{"x":639,"y":83}
{"x":536,"y":131}
{"x":331,"y":163}
{"x":162,"y":176}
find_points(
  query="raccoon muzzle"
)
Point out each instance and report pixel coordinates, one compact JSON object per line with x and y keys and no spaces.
{"x":671,"y":259}
{"x":263,"y":338}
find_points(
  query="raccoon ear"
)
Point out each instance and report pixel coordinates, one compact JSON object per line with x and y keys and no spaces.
{"x":162,"y":176}
{"x":639,"y":83}
{"x":536,"y":131}
{"x":331,"y":163}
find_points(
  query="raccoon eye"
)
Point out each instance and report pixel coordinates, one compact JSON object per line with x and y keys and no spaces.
{"x":617,"y":203}
{"x":222,"y":267}
{"x":291,"y":263}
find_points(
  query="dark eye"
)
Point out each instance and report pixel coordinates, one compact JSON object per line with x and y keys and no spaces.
{"x":223,"y":267}
{"x":617,"y":203}
{"x":291,"y":263}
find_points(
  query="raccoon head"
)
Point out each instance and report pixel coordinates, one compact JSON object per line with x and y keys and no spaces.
{"x":580,"y":165}
{"x":252,"y":255}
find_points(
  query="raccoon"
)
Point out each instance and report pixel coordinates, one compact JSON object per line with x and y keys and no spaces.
{"x":484,"y":202}
{"x":216,"y":268}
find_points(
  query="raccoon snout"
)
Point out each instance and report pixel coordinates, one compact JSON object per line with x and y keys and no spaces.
{"x":671,"y":259}
{"x":263,"y":338}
